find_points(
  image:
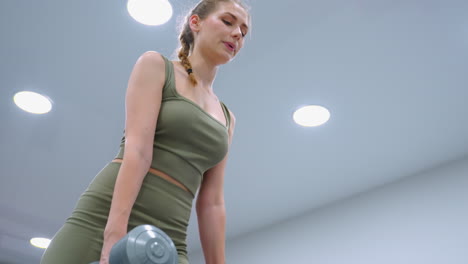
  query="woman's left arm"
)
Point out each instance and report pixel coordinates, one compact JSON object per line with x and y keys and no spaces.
{"x":211,"y":211}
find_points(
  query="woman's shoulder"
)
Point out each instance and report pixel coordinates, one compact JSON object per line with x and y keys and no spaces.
{"x":149,"y":63}
{"x":152,"y":57}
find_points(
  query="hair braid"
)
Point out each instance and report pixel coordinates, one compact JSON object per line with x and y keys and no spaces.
{"x":186,"y":38}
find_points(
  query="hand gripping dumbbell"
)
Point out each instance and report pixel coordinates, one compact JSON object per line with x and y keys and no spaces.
{"x":145,"y":244}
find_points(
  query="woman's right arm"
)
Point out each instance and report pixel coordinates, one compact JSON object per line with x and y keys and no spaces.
{"x":142,"y":104}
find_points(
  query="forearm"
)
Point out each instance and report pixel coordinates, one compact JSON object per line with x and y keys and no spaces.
{"x":127,"y":186}
{"x":211,"y":225}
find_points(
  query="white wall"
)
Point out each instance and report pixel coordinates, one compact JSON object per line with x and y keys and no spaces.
{"x":419,"y":219}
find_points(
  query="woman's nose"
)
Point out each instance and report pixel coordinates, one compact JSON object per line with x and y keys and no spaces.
{"x":237,"y":33}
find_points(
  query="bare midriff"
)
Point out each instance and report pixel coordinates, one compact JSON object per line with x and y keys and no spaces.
{"x":162,"y":175}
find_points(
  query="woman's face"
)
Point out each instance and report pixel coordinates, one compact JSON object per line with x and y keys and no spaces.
{"x":221,"y":35}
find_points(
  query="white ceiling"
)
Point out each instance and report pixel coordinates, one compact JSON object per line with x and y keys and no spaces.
{"x":392,"y":74}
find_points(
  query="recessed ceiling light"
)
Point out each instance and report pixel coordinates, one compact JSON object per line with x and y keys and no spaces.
{"x":40,"y":242}
{"x":312,"y":115}
{"x":150,"y":12}
{"x":33,"y":102}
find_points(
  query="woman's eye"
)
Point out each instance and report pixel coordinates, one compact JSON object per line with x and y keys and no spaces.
{"x":227,"y":22}
{"x":230,"y":24}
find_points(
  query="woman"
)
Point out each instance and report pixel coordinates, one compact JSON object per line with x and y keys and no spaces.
{"x":177,"y":135}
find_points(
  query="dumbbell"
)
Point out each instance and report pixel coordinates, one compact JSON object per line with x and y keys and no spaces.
{"x":145,"y":244}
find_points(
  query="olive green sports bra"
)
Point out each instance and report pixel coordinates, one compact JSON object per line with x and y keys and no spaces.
{"x":188,"y":140}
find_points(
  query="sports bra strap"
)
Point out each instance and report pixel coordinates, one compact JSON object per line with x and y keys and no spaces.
{"x":227,"y":114}
{"x":169,"y":84}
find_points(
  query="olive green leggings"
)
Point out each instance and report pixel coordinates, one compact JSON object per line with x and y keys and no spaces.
{"x":159,"y":203}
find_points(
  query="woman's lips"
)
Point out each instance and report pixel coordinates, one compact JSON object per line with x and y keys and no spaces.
{"x":229,"y":46}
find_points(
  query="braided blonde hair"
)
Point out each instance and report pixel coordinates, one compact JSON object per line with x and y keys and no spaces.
{"x":203,"y":9}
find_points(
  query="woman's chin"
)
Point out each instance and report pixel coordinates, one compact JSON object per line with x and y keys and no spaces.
{"x":228,"y":57}
{"x":224,"y":59}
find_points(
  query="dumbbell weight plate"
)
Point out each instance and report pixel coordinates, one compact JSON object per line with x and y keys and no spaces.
{"x":144,"y":244}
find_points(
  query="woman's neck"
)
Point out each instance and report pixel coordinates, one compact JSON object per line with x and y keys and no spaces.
{"x":204,"y":70}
